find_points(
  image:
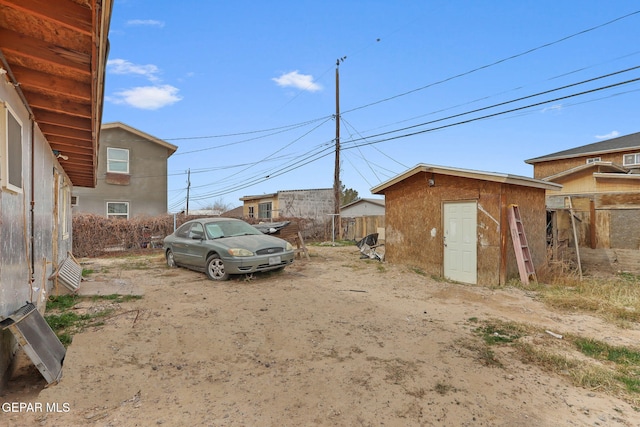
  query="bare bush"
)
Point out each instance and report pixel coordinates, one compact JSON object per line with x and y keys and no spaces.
{"x":95,"y":235}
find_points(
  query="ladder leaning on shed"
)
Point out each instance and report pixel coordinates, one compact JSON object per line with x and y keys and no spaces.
{"x":520,"y":245}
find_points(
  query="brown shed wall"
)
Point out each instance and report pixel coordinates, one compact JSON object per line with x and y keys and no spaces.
{"x":414,"y":223}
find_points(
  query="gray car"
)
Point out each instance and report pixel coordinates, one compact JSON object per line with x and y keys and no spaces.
{"x":221,"y":247}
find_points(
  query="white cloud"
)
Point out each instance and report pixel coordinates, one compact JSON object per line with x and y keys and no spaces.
{"x":553,"y":109}
{"x":145,"y":22}
{"x":122,"y":66}
{"x":147,"y":97}
{"x":610,"y":135}
{"x":298,"y":81}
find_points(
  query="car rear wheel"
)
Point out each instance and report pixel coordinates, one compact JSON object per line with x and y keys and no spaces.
{"x":171,"y":262}
{"x":215,"y":268}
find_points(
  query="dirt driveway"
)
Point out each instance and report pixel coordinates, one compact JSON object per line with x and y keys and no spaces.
{"x":334,"y":341}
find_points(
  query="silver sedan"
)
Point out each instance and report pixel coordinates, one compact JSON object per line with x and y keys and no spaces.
{"x":221,"y":247}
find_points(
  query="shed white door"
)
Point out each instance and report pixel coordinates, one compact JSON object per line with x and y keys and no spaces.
{"x":460,"y":241}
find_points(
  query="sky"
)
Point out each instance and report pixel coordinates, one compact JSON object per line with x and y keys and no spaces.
{"x":248,"y":90}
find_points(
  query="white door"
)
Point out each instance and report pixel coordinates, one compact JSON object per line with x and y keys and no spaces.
{"x":460,"y":241}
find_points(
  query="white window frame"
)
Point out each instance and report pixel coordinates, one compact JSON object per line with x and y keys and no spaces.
{"x":118,"y":215}
{"x":110,"y":160}
{"x":636,"y":159}
{"x":9,"y":153}
{"x":594,"y":159}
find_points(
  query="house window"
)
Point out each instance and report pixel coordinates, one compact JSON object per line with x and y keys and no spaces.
{"x":118,"y":210}
{"x":264,"y":210}
{"x":117,"y":160}
{"x":64,"y":215}
{"x":631,"y":159}
{"x":593,"y":160}
{"x":11,"y":142}
{"x":251,"y":214}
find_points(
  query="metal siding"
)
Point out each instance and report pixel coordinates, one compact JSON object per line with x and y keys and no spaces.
{"x":15,"y":230}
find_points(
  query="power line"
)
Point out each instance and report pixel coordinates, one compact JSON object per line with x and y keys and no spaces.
{"x":507,"y":102}
{"x":328,"y":151}
{"x":537,"y":104}
{"x":500,"y":61}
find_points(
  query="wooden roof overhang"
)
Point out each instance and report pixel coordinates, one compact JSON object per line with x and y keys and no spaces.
{"x":55,"y":53}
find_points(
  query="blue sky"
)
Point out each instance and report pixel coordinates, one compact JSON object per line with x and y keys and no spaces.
{"x":247,"y":89}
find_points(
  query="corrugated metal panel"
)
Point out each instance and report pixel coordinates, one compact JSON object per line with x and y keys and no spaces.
{"x":38,"y":341}
{"x":69,"y":273}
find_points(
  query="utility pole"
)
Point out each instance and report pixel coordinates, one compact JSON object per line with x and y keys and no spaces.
{"x":336,"y":172}
{"x":188,"y":187}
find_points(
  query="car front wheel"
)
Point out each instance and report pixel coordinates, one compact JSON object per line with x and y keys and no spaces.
{"x":171,"y":262}
{"x":215,"y":268}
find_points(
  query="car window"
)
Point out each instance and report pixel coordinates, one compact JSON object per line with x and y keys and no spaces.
{"x":229,"y":229}
{"x":196,"y":232}
{"x":237,"y":228}
{"x":183,"y":231}
{"x":214,"y":231}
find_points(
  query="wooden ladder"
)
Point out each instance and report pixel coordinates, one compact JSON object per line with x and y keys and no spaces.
{"x":520,"y":245}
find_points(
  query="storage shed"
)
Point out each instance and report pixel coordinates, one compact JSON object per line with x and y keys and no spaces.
{"x":453,"y":222}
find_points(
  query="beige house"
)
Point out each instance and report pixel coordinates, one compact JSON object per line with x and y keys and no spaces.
{"x":601,"y":186}
{"x":132,"y":175}
{"x":315,"y":204}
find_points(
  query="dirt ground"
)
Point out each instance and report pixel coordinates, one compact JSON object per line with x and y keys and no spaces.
{"x":330,"y":341}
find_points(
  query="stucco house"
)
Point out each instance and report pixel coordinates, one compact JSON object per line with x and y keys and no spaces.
{"x":52,"y":69}
{"x":453,"y":222}
{"x":131,"y":177}
{"x":363,"y":207}
{"x":601,"y":186}
{"x":316,"y":204}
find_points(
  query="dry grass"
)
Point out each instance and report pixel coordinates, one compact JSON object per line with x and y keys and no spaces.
{"x":585,"y":362}
{"x":596,"y":365}
{"x":615,"y":298}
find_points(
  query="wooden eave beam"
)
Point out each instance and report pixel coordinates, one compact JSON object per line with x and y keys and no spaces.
{"x":52,"y":85}
{"x":55,"y":130}
{"x":68,"y":106}
{"x":62,"y":12}
{"x":20,"y":45}
{"x":79,"y":146}
{"x":63,"y":119}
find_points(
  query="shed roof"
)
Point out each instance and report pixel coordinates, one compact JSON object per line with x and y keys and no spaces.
{"x":621,"y":143}
{"x":378,"y":201}
{"x":115,"y":125}
{"x":467,"y":173}
{"x":55,"y":52}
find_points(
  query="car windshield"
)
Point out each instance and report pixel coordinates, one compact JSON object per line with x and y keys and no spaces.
{"x":218,"y":229}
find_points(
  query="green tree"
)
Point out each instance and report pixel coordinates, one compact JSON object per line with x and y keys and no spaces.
{"x":347,"y":195}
